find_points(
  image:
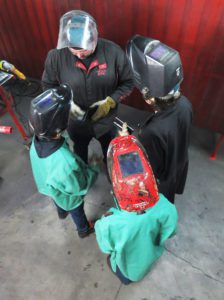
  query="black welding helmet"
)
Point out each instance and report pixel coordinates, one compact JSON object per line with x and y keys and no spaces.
{"x":157,"y":68}
{"x":50,"y":110}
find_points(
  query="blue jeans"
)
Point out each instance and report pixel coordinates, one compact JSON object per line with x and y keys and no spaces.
{"x":79,"y":217}
{"x":118,"y":273}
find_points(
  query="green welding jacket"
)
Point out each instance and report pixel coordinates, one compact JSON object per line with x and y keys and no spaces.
{"x":136,"y":241}
{"x":62,"y":175}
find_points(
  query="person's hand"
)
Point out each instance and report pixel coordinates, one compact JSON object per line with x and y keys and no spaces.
{"x":145,"y":93}
{"x":76,"y":111}
{"x":103,"y":109}
{"x":124,"y":130}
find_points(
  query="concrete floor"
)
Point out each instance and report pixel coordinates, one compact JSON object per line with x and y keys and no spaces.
{"x":41,"y":257}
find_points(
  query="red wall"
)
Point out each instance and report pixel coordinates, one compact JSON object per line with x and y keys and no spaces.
{"x":29,"y":28}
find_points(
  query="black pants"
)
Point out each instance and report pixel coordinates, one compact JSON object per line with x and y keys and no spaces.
{"x":81,"y":143}
{"x":168,"y":190}
{"x":78,"y":216}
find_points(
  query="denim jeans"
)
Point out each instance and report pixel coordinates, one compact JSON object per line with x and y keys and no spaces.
{"x":79,"y":217}
{"x":118,"y":273}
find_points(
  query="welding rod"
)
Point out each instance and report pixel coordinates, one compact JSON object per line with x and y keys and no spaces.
{"x":120,"y":125}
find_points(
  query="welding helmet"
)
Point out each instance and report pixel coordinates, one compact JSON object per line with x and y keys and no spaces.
{"x":133,"y":181}
{"x":77,"y":29}
{"x":49,"y":111}
{"x":157,"y":68}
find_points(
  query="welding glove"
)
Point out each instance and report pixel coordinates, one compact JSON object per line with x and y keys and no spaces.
{"x":76,"y":111}
{"x":103,"y":109}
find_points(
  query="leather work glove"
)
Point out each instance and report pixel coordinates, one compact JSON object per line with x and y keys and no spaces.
{"x":103,"y":109}
{"x":76,"y":111}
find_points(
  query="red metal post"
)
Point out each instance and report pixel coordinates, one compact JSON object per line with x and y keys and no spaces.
{"x":7,"y":99}
{"x":217,"y":147}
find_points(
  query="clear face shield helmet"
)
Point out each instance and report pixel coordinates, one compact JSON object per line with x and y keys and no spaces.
{"x":77,"y":30}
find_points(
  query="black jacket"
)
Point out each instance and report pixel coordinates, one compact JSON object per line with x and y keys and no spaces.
{"x":109,"y":74}
{"x":165,"y":136}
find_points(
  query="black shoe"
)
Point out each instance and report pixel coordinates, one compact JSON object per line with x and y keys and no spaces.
{"x":88,"y":232}
{"x":62,"y":214}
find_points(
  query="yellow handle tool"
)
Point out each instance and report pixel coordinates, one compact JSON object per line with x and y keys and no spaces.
{"x":6,"y":66}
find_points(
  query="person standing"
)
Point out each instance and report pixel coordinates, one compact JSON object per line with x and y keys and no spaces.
{"x":165,"y":134}
{"x":59,"y":173}
{"x":98,"y":72}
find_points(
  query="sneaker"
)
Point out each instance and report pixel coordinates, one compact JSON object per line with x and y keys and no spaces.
{"x":88,"y":232}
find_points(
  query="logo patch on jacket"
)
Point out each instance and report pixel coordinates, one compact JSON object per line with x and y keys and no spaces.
{"x":102,"y":69}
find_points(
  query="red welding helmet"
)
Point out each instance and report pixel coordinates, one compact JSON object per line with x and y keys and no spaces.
{"x":132,"y":178}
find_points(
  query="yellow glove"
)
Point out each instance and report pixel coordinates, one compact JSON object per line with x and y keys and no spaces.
{"x":103,"y":109}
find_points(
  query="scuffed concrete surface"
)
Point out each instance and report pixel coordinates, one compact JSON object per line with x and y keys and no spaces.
{"x":41,"y":257}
